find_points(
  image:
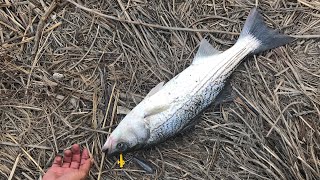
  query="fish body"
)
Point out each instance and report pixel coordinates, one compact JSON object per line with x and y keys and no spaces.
{"x":187,"y":94}
{"x":170,"y":107}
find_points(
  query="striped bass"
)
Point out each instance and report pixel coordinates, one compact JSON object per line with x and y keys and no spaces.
{"x":169,"y":108}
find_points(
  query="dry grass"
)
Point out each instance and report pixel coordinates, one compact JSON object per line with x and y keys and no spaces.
{"x":63,"y":64}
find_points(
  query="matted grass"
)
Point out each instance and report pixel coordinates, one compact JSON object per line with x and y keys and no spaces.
{"x":64,"y":64}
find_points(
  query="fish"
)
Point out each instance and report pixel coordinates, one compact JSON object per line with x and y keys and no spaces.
{"x":169,"y":108}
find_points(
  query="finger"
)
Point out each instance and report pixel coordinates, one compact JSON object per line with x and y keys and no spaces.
{"x":85,"y":165}
{"x":67,"y":158}
{"x":57,"y":161}
{"x":76,"y":156}
{"x":85,"y":156}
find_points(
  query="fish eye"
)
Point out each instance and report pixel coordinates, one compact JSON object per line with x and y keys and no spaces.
{"x":122,"y":146}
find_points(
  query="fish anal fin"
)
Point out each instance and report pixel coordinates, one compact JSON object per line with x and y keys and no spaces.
{"x":190,"y":126}
{"x":227,"y":94}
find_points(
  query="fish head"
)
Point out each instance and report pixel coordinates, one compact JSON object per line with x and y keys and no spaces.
{"x":130,"y":134}
{"x":133,"y":132}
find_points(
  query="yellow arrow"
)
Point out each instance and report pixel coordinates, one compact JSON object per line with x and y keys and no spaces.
{"x":121,"y":162}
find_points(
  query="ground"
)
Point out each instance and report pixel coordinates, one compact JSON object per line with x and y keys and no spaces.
{"x":64,"y":64}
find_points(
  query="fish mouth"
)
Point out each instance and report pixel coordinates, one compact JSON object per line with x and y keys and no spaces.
{"x":107,"y":147}
{"x":109,"y":152}
{"x":104,"y":149}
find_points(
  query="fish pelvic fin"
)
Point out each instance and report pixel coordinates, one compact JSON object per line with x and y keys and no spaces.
{"x":267,"y":37}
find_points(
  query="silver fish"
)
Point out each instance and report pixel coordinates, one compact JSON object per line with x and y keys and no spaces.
{"x":169,"y":108}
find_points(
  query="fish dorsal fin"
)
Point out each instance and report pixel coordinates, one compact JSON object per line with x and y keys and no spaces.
{"x":205,"y":50}
{"x":155,"y":89}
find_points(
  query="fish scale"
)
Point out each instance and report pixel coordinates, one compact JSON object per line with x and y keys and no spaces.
{"x":187,"y":112}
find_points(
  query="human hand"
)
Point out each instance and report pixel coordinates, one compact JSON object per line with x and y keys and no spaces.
{"x":73,"y":166}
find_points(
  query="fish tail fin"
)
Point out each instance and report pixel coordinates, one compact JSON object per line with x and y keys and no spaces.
{"x":267,"y":37}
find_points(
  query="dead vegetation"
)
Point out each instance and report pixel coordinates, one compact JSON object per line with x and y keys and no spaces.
{"x":64,"y":64}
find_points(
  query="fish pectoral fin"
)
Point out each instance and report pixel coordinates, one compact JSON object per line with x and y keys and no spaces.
{"x":156,"y":109}
{"x":205,"y":50}
{"x":155,"y":89}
